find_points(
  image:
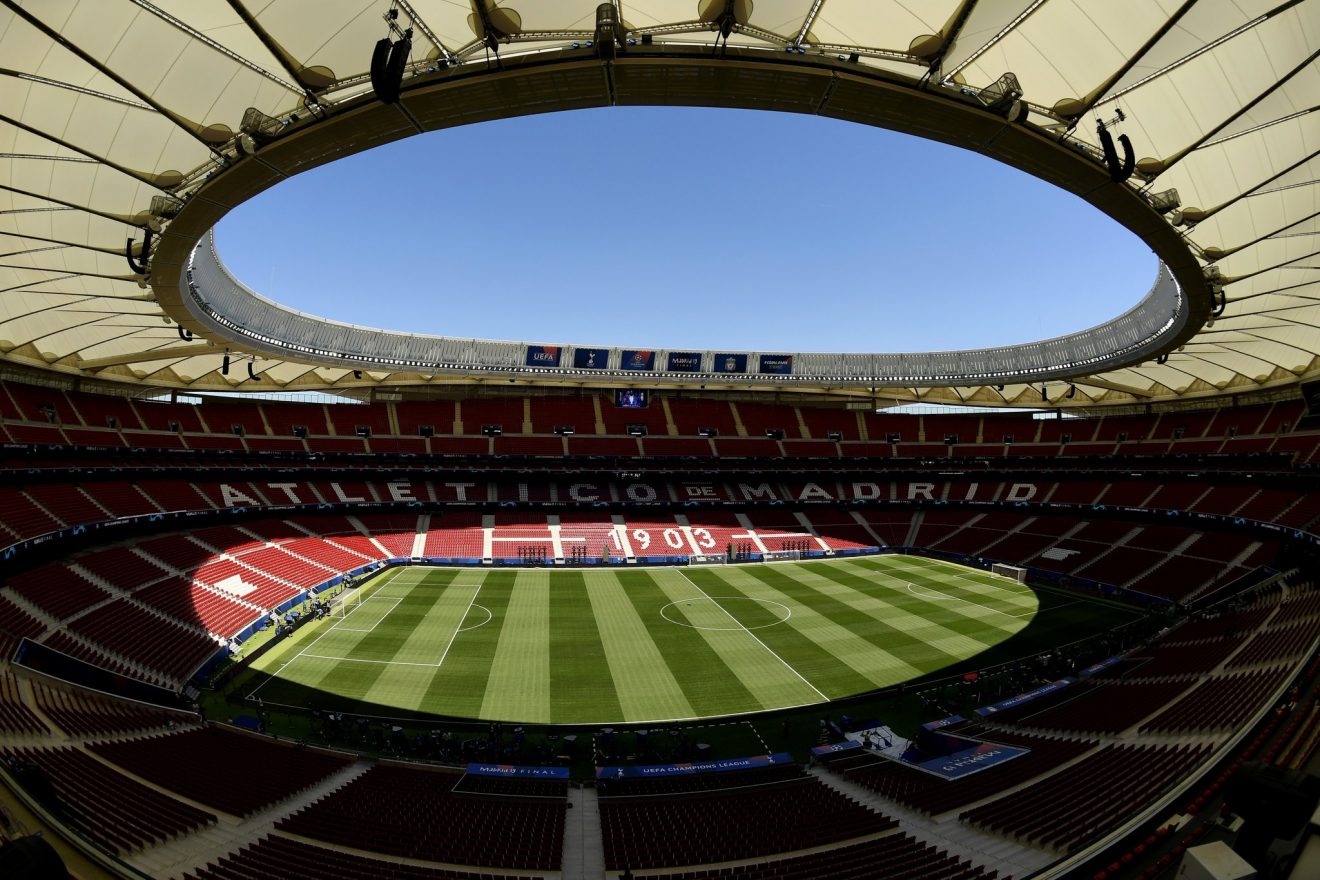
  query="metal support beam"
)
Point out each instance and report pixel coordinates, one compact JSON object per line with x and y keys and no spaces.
{"x":159,"y":354}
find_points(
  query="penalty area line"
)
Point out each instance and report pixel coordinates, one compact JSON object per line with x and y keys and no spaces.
{"x":939,"y":595}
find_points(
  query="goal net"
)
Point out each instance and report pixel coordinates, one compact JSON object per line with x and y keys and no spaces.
{"x":1016,"y":572}
{"x":345,"y":602}
{"x":717,"y":559}
{"x":772,"y":555}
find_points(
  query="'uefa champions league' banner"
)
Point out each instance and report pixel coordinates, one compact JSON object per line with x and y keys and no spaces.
{"x":943,"y":722}
{"x":1041,"y":691}
{"x":509,"y":770}
{"x":637,"y":360}
{"x":543,"y":355}
{"x":725,"y":766}
{"x":684,"y":362}
{"x":776,"y":363}
{"x":591,"y":358}
{"x":1100,"y":667}
{"x":847,"y":745}
{"x":730,"y":363}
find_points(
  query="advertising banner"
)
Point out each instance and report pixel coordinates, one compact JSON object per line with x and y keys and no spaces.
{"x":509,"y":770}
{"x":730,"y":363}
{"x":591,"y":358}
{"x":724,"y":766}
{"x":637,"y":360}
{"x":543,"y":355}
{"x":684,"y":362}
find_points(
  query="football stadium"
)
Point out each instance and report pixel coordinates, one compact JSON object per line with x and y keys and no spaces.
{"x":289,"y":596}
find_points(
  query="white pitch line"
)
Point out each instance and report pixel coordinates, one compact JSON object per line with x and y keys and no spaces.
{"x":683,"y":575}
{"x":364,"y":660}
{"x":459,"y":628}
{"x":938,"y":595}
{"x":320,"y":636}
{"x":378,"y":621}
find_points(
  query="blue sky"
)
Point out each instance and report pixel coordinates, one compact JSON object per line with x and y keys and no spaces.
{"x":687,"y":228}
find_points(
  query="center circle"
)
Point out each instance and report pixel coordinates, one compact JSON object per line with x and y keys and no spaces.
{"x":702,"y":605}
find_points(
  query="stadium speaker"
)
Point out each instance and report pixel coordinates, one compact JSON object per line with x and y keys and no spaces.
{"x":1122,"y":436}
{"x":708,"y":432}
{"x":1119,"y":169}
{"x":236,"y":430}
{"x":357,"y":374}
{"x":388,"y":60}
{"x":140,"y":268}
{"x":31,"y":858}
{"x":426,"y":430}
{"x":300,"y":431}
{"x":609,"y":33}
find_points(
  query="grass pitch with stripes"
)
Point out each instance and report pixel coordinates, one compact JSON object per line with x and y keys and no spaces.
{"x":643,"y":644}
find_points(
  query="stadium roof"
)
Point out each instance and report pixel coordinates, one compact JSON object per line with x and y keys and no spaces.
{"x":121,"y":115}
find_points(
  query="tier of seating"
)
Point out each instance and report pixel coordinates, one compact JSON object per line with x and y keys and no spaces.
{"x":63,"y":417}
{"x":84,"y":713}
{"x":1218,"y":704}
{"x":15,"y":716}
{"x":1064,"y":810}
{"x":893,"y":856}
{"x":412,"y":812}
{"x":282,"y":858}
{"x":933,"y":795}
{"x":755,"y":821}
{"x":117,"y":812}
{"x":227,"y":771}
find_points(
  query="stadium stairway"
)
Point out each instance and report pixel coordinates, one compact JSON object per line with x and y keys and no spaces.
{"x":947,"y":833}
{"x":584,"y":853}
{"x":174,"y":858}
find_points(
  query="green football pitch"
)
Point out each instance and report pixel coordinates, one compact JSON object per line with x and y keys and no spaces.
{"x":641,"y":645}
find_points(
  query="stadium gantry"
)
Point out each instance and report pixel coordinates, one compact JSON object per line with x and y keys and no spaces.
{"x":1192,"y":126}
{"x":478,"y":595}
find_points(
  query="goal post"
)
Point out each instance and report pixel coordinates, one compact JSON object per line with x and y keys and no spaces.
{"x":1014,"y":572}
{"x":773,"y":555}
{"x":344,"y":603}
